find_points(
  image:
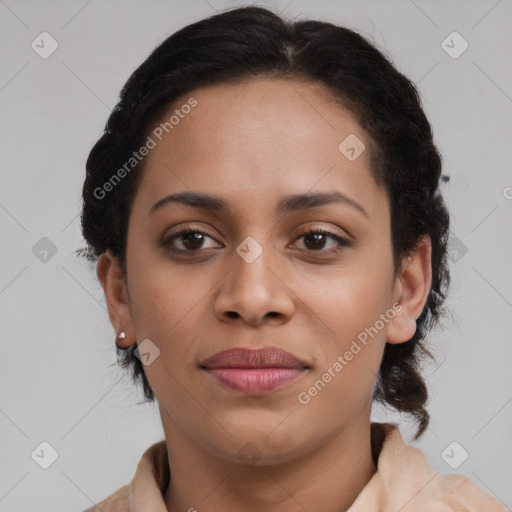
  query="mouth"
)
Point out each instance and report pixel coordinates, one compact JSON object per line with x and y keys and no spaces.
{"x":254,"y":371}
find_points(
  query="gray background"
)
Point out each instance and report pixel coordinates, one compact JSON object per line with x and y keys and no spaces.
{"x":59,"y":382}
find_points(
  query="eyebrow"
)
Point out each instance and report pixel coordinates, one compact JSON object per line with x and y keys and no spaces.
{"x":286,"y":204}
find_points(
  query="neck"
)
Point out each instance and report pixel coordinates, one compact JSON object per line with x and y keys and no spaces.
{"x":328,"y":478}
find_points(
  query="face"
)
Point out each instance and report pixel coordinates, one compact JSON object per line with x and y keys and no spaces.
{"x":258,"y":273}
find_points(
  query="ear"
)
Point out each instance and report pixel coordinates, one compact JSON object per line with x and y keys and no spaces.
{"x":412,"y":287}
{"x":114,"y":286}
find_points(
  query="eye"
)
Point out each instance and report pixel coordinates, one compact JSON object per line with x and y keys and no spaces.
{"x":191,"y":239}
{"x":315,"y":239}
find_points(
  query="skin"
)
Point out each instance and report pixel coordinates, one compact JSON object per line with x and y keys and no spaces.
{"x":252,"y":143}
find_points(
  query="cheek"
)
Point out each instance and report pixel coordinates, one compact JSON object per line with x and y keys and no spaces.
{"x":349,"y":351}
{"x":162,"y":294}
{"x":169,"y":306}
{"x":346,"y":302}
{"x":166,"y":311}
{"x":347,"y":323}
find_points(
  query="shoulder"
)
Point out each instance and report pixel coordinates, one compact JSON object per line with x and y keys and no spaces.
{"x":406,"y":481}
{"x":145,"y":490}
{"x":460,"y":493}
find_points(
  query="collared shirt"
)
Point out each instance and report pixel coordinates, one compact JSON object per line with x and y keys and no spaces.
{"x":404,"y":481}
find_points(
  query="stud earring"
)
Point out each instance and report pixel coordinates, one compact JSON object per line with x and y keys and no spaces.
{"x":121,"y":336}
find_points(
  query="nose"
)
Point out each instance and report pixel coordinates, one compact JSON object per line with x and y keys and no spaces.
{"x":254,"y":292}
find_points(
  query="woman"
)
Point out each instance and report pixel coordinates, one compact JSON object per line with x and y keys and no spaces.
{"x":264,"y":211}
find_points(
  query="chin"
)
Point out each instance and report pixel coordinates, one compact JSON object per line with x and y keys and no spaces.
{"x":264,"y":441}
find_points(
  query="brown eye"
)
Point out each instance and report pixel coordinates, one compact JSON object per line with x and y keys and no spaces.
{"x":315,"y":240}
{"x":190,"y":239}
{"x":194,"y":240}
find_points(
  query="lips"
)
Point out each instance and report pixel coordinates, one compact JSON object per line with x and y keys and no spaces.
{"x":254,"y":371}
{"x":266,"y":357}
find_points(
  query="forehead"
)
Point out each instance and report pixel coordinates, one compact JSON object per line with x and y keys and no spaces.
{"x":258,"y":137}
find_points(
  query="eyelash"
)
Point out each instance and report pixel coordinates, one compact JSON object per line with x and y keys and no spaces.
{"x":343,"y":242}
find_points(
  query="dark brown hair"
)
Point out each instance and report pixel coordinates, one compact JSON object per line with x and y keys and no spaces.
{"x":248,"y":42}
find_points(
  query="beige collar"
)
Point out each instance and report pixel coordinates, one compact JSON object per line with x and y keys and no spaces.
{"x":404,"y":481}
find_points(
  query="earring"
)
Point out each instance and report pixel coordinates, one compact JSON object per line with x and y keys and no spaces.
{"x":121,"y":336}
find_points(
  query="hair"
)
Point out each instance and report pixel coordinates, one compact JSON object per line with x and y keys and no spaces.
{"x":251,"y":42}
